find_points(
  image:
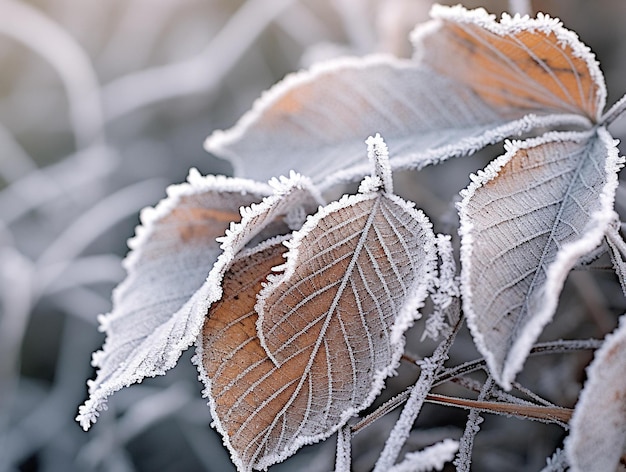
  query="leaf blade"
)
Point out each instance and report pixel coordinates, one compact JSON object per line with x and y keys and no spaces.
{"x":428,"y":108}
{"x":515,"y":63}
{"x":170,"y":258}
{"x":266,"y":410}
{"x":525,"y":221}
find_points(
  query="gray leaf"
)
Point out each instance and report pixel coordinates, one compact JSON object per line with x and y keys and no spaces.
{"x":473,"y":81}
{"x":153,"y":319}
{"x":525,"y":221}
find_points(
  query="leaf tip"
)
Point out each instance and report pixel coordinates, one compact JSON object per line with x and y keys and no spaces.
{"x":378,"y":155}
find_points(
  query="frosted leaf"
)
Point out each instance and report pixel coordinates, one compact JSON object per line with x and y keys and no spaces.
{"x":276,"y":214}
{"x":434,"y":106}
{"x":273,"y":216}
{"x":355,"y":275}
{"x":515,"y":64}
{"x":617,"y":251}
{"x":525,"y":221}
{"x":157,"y":310}
{"x":382,"y":252}
{"x":431,"y":458}
{"x":597,"y":437}
{"x":241,"y":381}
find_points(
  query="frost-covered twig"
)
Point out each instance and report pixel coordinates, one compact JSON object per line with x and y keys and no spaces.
{"x":444,"y":293}
{"x":553,"y":347}
{"x":431,"y":458}
{"x":343,"y":455}
{"x":464,"y":455}
{"x":546,"y":414}
{"x":430,"y":366}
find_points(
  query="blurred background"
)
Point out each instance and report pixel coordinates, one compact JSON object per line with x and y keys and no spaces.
{"x":105,"y":103}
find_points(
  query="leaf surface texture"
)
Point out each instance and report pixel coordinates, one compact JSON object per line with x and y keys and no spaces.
{"x":155,"y":314}
{"x":525,"y":221}
{"x":472,"y":81}
{"x":375,"y":259}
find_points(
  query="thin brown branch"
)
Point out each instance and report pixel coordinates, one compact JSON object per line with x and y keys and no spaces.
{"x":544,"y":413}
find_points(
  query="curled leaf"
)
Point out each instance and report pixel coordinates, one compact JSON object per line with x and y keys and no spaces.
{"x":375,"y":257}
{"x":158,"y":309}
{"x":525,"y":221}
{"x":245,"y":390}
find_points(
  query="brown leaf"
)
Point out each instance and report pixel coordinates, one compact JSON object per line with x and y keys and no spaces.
{"x":515,"y":64}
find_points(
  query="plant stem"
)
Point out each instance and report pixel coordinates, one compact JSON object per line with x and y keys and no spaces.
{"x":614,"y":112}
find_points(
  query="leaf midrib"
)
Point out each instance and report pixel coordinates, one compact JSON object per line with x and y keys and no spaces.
{"x":524,"y":309}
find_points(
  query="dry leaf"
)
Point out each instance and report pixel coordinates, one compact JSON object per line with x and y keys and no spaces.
{"x":515,"y":64}
{"x":472,"y":81}
{"x":525,"y":221}
{"x":375,"y":259}
{"x":158,"y":310}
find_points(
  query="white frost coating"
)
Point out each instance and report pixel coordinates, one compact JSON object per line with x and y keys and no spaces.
{"x":472,"y":427}
{"x":445,"y":292}
{"x":504,"y":370}
{"x":158,"y":309}
{"x":196,"y":183}
{"x":425,"y":117}
{"x":509,"y":25}
{"x":343,"y":456}
{"x":597,"y":436}
{"x":288,"y":193}
{"x":433,"y":457}
{"x":378,"y":155}
{"x":390,"y":346}
{"x":408,"y":312}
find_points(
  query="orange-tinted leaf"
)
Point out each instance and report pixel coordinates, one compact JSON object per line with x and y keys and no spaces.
{"x":514,"y":64}
{"x":473,"y":81}
{"x":247,"y":392}
{"x":376,"y":257}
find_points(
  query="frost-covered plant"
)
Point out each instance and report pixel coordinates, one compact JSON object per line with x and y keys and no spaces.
{"x":298,"y":307}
